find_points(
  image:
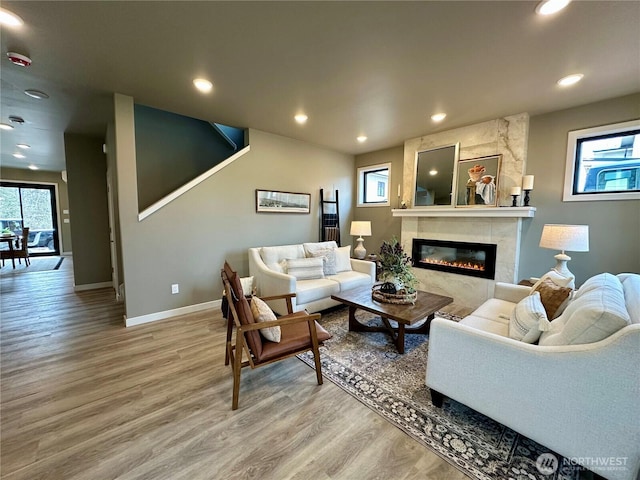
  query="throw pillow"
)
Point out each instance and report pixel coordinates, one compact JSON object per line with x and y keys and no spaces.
{"x":247,"y":285}
{"x":279,"y":267}
{"x":328,"y":256}
{"x":591,"y":316}
{"x":305,"y":268}
{"x":311,"y":247}
{"x":528,"y":319}
{"x":262,"y":313}
{"x":552,"y":295}
{"x":343,"y":259}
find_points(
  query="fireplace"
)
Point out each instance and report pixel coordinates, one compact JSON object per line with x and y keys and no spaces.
{"x":462,"y":258}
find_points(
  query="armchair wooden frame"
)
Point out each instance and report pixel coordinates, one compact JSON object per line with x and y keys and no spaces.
{"x":235,"y":352}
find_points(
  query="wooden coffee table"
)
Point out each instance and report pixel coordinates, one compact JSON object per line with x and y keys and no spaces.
{"x":406,"y":315}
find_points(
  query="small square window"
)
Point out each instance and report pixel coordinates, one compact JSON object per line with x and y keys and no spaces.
{"x":373,"y":185}
{"x":603,"y":163}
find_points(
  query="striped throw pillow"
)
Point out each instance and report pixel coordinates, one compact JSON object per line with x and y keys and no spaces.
{"x":305,"y":268}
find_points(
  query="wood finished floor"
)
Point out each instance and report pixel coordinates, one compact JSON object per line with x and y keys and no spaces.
{"x":83,"y":397}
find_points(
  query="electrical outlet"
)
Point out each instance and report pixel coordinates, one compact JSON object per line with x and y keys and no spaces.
{"x":175,"y":289}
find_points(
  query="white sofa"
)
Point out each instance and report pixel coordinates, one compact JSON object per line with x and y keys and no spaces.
{"x":267,"y":266}
{"x":581,"y":401}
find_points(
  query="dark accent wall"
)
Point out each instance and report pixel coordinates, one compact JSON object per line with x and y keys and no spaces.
{"x":172,"y":150}
{"x":87,"y":187}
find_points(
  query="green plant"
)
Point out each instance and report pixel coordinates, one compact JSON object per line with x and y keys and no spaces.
{"x":396,"y":266}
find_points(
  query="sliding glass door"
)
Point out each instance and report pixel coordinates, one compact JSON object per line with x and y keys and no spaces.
{"x":33,"y":206}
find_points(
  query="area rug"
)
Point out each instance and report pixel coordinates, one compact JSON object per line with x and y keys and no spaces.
{"x":367,"y":366}
{"x":38,"y":264}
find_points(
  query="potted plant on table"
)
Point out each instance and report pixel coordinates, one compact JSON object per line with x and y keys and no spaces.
{"x":396,"y":272}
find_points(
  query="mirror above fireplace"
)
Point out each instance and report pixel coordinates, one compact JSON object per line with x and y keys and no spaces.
{"x":434,"y":176}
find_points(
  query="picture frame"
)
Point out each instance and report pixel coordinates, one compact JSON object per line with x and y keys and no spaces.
{"x":477,"y":182}
{"x":274,"y":201}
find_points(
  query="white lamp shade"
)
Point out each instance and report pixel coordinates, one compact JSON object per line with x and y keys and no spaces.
{"x":572,"y":238}
{"x":361,"y":229}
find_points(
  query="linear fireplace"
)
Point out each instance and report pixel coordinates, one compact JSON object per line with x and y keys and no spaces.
{"x":463,"y":258}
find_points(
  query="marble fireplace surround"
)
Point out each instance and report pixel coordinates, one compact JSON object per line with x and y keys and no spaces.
{"x":498,"y":225}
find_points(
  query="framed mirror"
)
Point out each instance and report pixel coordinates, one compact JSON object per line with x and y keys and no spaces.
{"x":477,"y":182}
{"x":435,"y":176}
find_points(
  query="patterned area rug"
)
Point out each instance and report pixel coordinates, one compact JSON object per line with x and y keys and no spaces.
{"x":367,"y":366}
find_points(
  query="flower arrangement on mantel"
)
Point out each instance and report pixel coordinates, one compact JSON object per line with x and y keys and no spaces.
{"x":396,"y":270}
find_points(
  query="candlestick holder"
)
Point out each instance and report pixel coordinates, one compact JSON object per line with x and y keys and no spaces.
{"x":526,"y":198}
{"x":515,"y":199}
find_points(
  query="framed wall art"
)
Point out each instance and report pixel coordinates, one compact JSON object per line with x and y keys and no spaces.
{"x":477,"y":182}
{"x":271,"y":201}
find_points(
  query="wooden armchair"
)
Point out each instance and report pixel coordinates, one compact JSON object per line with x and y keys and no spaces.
{"x":20,"y":250}
{"x":300,"y":332}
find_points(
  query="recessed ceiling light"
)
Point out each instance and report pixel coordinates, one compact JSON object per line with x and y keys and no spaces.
{"x":570,"y":79}
{"x":24,"y":146}
{"x":6,"y":126}
{"x":36,"y":94}
{"x":10,"y":19}
{"x":33,"y":167}
{"x":362,"y":138}
{"x":18,"y":155}
{"x":205,"y":86}
{"x":301,"y":118}
{"x":433,"y":171}
{"x":438,"y":117}
{"x":549,"y":7}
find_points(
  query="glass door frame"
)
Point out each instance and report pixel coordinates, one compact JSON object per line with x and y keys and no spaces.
{"x":55,"y":220}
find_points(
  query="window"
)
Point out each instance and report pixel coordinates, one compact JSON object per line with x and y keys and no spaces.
{"x":373,"y":185}
{"x":31,"y":205}
{"x":603,"y":163}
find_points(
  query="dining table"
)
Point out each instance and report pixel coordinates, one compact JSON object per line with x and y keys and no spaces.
{"x":10,"y":240}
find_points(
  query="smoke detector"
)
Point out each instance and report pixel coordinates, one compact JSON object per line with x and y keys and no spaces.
{"x":19,"y":59}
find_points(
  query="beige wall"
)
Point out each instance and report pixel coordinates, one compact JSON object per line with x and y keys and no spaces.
{"x":383,"y":225}
{"x":40,"y":176}
{"x":187,"y":241}
{"x":614,"y":226}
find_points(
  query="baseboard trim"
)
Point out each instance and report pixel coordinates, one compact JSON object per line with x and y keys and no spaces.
{"x":166,"y":314}
{"x":91,"y":286}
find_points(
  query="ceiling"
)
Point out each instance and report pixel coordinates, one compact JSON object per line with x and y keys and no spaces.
{"x":379,"y":69}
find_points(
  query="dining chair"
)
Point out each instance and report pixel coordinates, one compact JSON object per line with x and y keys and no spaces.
{"x":20,"y":250}
{"x":300,"y":332}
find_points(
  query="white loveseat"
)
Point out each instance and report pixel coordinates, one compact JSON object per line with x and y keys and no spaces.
{"x":580,"y":400}
{"x":268,"y":267}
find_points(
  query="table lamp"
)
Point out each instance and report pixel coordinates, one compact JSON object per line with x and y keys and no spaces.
{"x":360,"y":229}
{"x":573,"y":238}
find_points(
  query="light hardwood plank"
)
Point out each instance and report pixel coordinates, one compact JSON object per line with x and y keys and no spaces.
{"x":83,"y":397}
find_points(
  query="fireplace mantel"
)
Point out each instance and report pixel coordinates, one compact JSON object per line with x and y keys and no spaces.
{"x":451,"y":212}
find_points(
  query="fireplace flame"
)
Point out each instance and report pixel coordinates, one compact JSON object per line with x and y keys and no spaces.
{"x":455,"y":264}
